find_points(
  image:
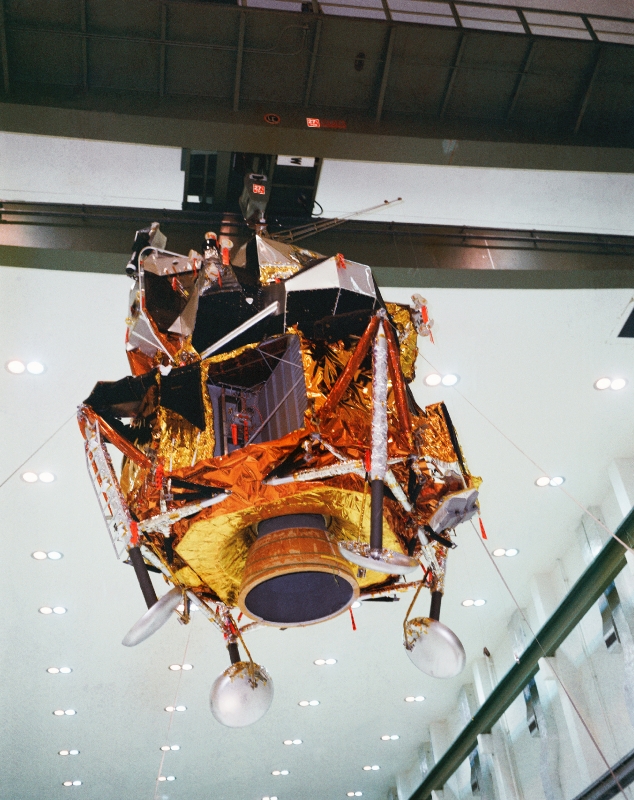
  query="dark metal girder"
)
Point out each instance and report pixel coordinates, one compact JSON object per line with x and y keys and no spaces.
{"x":453,"y":74}
{"x":162,"y":65}
{"x":313,"y":62}
{"x":572,"y":609}
{"x":522,"y":77}
{"x":588,"y":90}
{"x":4,"y":57}
{"x":84,"y":46}
{"x":386,"y":72}
{"x":239,"y":55}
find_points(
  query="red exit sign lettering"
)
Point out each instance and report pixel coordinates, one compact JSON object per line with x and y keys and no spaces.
{"x":314,"y":122}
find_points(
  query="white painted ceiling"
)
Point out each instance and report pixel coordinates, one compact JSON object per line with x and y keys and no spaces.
{"x":526,"y":359}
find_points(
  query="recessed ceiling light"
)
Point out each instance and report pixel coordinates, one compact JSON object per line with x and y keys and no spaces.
{"x":63,"y":753}
{"x":16,"y":367}
{"x":58,"y":712}
{"x":320,"y":662}
{"x":162,"y":778}
{"x":35,"y":368}
{"x":171,"y":778}
{"x":165,"y":748}
{"x":512,"y":551}
{"x":433,"y":379}
{"x":39,"y":555}
{"x":70,"y":712}
{"x":356,"y":604}
{"x":181,"y":708}
{"x":46,"y":477}
{"x":385,"y":738}
{"x":617,"y":383}
{"x":76,"y":783}
{"x":46,"y":610}
{"x":297,"y":741}
{"x":53,"y":670}
{"x":419,"y":698}
{"x":29,"y":477}
{"x":358,"y":794}
{"x":174,"y":667}
{"x":187,"y":667}
{"x":499,"y":552}
{"x":59,"y":610}
{"x":313,"y":703}
{"x":467,"y":603}
{"x":73,"y":752}
{"x":303,"y":703}
{"x":275,"y":772}
{"x":543,"y":481}
{"x":367,"y":768}
{"x":55,"y":555}
{"x":479,"y":602}
{"x":557,"y":480}
{"x":67,"y":783}
{"x":175,"y":747}
{"x":288,"y":741}
{"x":602,"y":383}
{"x":169,"y":709}
{"x":375,"y":767}
{"x":331,"y":661}
{"x":449,"y":380}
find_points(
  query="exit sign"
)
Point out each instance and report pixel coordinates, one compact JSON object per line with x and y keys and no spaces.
{"x":315,"y":122}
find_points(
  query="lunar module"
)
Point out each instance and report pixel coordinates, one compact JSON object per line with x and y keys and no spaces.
{"x":276,"y":467}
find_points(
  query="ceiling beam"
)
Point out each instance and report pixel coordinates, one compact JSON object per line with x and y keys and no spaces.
{"x":522,"y":77}
{"x":4,"y":57}
{"x":249,"y":133}
{"x":98,"y":239}
{"x":453,"y":73}
{"x":386,"y":72}
{"x":588,"y":91}
{"x":84,"y":46}
{"x":239,"y":54}
{"x":313,"y":62}
{"x":568,"y":614}
{"x":162,"y":60}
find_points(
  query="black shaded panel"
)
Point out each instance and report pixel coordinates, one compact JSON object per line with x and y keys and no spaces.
{"x":299,"y":597}
{"x":121,"y":398}
{"x":251,"y":368}
{"x":342,"y":326}
{"x":352,"y":301}
{"x":306,"y":307}
{"x":627,"y":331}
{"x":181,"y":391}
{"x":219,"y":314}
{"x":163,"y":304}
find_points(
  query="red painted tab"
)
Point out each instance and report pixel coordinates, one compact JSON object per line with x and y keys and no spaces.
{"x":484,"y":533}
{"x":341,"y":261}
{"x":354,"y":624}
{"x":134,"y":529}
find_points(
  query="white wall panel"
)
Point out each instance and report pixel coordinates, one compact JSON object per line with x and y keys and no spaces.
{"x":500,"y":198}
{"x":48,"y":169}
